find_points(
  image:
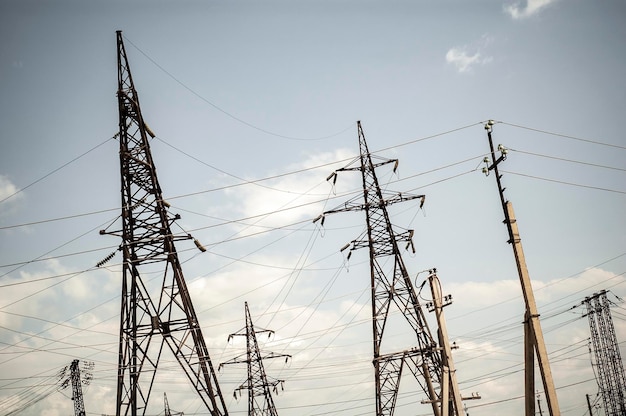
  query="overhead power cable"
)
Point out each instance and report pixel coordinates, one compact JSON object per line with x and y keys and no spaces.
{"x":567,"y":160}
{"x":565,"y":183}
{"x":54,"y":171}
{"x":221,"y":110}
{"x":566,"y":136}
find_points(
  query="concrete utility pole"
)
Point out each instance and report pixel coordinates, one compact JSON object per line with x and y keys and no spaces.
{"x":154,"y":312}
{"x":533,"y":334}
{"x":449,"y":372}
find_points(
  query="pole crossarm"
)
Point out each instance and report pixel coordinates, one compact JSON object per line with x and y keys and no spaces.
{"x":152,"y":317}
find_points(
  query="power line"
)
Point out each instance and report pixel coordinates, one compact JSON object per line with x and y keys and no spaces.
{"x":565,"y":183}
{"x":567,"y":160}
{"x":562,"y":135}
{"x":221,"y":110}
{"x":55,"y":170}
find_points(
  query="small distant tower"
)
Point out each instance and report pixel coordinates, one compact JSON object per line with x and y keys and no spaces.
{"x":610,"y":369}
{"x":74,"y":379}
{"x":77,"y":389}
{"x":260,"y":402}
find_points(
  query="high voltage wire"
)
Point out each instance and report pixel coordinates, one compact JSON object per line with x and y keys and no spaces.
{"x":565,"y":136}
{"x":565,"y":182}
{"x":240,"y":120}
{"x":566,"y":160}
{"x":55,"y":170}
{"x":257,"y":181}
{"x":226,"y":222}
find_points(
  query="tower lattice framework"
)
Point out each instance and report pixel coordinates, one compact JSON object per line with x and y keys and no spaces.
{"x":152,"y":315}
{"x":394,"y":287}
{"x":609,"y":366}
{"x":260,"y":401}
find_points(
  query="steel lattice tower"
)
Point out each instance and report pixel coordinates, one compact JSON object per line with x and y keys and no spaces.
{"x":77,"y":389}
{"x":610,"y":369}
{"x":393,"y":288}
{"x":148,"y":323}
{"x":260,"y":402}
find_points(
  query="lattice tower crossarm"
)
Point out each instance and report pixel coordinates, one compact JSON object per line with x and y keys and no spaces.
{"x":395,"y":288}
{"x":148,"y":245}
{"x":608,"y":362}
{"x":260,"y":401}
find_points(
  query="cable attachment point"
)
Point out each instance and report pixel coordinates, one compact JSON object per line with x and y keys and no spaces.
{"x":320,"y":217}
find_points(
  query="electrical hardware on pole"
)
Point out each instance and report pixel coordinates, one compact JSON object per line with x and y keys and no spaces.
{"x":533,"y":338}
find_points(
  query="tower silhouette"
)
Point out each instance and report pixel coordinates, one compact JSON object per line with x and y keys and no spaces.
{"x":393,"y":286}
{"x":260,"y":402}
{"x":152,"y":317}
{"x":608,"y":362}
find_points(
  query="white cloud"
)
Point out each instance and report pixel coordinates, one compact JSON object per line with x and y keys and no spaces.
{"x":291,"y":197}
{"x":524,"y":9}
{"x":464,"y":60}
{"x":7,"y":188}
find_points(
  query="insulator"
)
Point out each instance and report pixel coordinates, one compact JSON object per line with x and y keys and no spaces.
{"x":149,"y":130}
{"x":349,"y":255}
{"x":105,"y":260}
{"x":422,"y":201}
{"x":345,"y":247}
{"x":199,"y":245}
{"x":395,"y":166}
{"x":319,"y":217}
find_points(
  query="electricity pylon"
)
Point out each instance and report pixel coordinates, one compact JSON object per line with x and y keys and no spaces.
{"x":533,"y":334}
{"x":610,"y":369}
{"x":74,"y":379}
{"x":168,"y":411}
{"x":148,"y":321}
{"x":394,"y":287}
{"x":260,"y":402}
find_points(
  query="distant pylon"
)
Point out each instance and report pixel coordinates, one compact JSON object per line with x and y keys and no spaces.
{"x":608,"y":362}
{"x":260,"y":402}
{"x":394,"y":286}
{"x":168,"y":411}
{"x":76,"y":381}
{"x":148,"y":246}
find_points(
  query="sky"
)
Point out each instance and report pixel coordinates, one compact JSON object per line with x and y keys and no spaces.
{"x":254,"y":104}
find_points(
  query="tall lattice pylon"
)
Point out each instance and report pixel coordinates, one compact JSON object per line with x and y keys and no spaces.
{"x":608,"y":362}
{"x":150,"y":320}
{"x":394,"y":287}
{"x":260,"y":402}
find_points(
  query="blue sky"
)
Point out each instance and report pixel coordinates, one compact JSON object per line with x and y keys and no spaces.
{"x":241,"y":91}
